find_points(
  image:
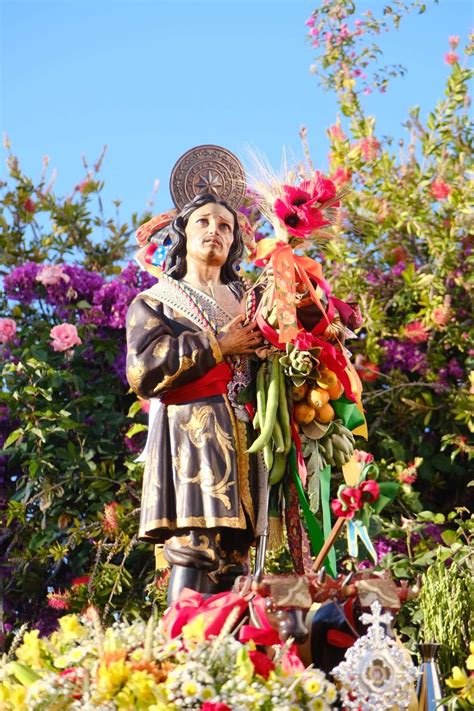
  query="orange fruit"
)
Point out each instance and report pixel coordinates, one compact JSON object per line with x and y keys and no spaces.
{"x":336,"y":391}
{"x":304,"y":413}
{"x":298,"y":392}
{"x":325,"y":414}
{"x":327,"y":379}
{"x":317,"y":397}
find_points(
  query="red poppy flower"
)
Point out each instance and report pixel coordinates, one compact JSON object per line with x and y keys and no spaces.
{"x":214,"y":706}
{"x":321,"y":188}
{"x":370,"y":490}
{"x":262,"y":664}
{"x":298,"y":221}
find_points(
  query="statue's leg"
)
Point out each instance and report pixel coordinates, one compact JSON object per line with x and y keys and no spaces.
{"x":192,"y":556}
{"x":234,"y":559}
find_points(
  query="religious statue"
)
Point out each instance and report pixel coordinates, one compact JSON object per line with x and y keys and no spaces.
{"x":188,"y":342}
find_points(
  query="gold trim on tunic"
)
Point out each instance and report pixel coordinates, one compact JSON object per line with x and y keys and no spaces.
{"x":185,"y":363}
{"x":215,"y":347}
{"x":243,"y":467}
{"x":192,"y":522}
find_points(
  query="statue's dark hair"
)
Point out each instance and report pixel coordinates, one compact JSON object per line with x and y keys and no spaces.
{"x":175,"y":264}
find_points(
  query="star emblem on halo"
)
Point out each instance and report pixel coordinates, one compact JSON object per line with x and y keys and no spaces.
{"x":209,"y":182}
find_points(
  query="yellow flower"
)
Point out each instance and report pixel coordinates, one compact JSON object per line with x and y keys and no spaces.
{"x":190,"y":688}
{"x":458,"y":679}
{"x":30,"y":651}
{"x":111,"y":677}
{"x":61,"y":662}
{"x":207,"y":693}
{"x":12,"y":696}
{"x":331,"y":694}
{"x":71,"y":628}
{"x":138,"y":692}
{"x":312,"y":686}
{"x":76,"y":655}
{"x":194,"y":630}
{"x":315,"y":704}
{"x":470,"y":659}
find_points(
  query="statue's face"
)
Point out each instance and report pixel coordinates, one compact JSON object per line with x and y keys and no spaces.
{"x":209,"y":234}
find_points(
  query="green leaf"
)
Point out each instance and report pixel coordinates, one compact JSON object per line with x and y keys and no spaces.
{"x":449,"y":537}
{"x":13,"y":437}
{"x":135,"y":429}
{"x":134,"y":408}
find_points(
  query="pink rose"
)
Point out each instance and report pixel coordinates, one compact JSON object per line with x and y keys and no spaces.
{"x":64,"y":337}
{"x":7,"y":329}
{"x":52,"y":274}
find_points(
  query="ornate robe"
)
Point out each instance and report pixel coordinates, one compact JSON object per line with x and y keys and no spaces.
{"x":197,"y":472}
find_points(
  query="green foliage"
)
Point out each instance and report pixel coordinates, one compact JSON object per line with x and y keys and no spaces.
{"x":446,"y":604}
{"x":404,"y":253}
{"x":70,"y":427}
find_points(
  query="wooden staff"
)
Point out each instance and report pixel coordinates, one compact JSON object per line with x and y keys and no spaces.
{"x":328,"y":543}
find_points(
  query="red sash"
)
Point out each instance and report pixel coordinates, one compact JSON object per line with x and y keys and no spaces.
{"x":214,"y":382}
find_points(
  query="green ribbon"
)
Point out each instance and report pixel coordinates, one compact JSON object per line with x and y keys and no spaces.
{"x":325,"y":483}
{"x":314,"y":529}
{"x":348,"y":412}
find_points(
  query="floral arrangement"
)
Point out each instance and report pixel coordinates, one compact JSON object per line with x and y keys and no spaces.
{"x":308,"y":393}
{"x":137,"y":665}
{"x":462,"y":682}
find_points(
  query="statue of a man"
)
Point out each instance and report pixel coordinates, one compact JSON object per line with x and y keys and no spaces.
{"x":200,"y":489}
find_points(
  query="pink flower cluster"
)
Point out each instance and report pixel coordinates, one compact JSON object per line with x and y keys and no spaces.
{"x":439,"y":189}
{"x":369,"y":148}
{"x":363,"y":457}
{"x":299,"y":209}
{"x":408,"y":475}
{"x":352,"y":498}
{"x":416,"y":332}
{"x":451,"y":58}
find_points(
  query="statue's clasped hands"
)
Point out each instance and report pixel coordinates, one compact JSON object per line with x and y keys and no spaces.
{"x":237,"y":337}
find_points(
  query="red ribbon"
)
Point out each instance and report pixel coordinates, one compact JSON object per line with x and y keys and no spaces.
{"x":191,"y":604}
{"x":214,"y":382}
{"x":329,"y":356}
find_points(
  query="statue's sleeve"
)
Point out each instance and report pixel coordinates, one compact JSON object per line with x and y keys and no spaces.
{"x":157,"y":358}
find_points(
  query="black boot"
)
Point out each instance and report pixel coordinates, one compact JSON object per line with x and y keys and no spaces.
{"x":181,"y":577}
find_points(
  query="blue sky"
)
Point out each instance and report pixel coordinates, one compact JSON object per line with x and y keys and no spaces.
{"x":152,"y":78}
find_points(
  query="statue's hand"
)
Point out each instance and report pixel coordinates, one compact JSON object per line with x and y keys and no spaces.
{"x":235,"y":338}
